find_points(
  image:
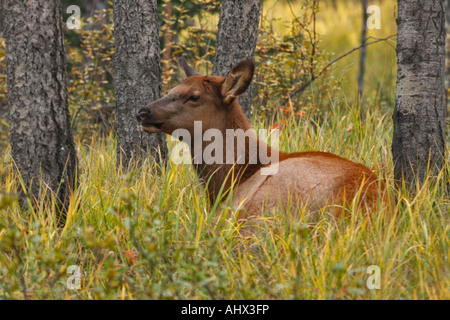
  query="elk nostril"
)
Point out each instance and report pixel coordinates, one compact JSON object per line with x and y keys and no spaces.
{"x":142,"y":114}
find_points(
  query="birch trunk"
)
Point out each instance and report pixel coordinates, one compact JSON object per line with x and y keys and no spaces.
{"x":420,"y":111}
{"x":447,"y":60}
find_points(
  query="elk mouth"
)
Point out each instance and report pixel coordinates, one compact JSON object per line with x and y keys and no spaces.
{"x":152,"y":127}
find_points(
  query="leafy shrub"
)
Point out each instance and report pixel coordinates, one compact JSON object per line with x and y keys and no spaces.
{"x":288,"y":66}
{"x":90,"y":77}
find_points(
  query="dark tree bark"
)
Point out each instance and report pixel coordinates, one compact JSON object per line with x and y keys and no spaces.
{"x":447,"y":12}
{"x":41,"y":139}
{"x":447,"y":60}
{"x":236,"y":39}
{"x":2,"y":18}
{"x":137,"y":77}
{"x":419,"y":114}
{"x":363,"y":52}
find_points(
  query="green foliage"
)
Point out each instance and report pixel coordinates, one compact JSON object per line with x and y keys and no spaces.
{"x":187,"y":32}
{"x":286,"y":63}
{"x":90,"y":77}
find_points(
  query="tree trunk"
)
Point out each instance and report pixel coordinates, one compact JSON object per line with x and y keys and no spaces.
{"x":419,"y":114}
{"x":447,"y":60}
{"x":137,"y":77}
{"x":236,"y":39}
{"x":2,"y":18}
{"x":41,"y":139}
{"x":362,"y":57}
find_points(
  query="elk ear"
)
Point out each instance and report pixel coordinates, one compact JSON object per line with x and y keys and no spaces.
{"x":187,"y":70}
{"x":237,"y":80}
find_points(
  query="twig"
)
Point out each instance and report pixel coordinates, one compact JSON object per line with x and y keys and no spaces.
{"x":82,"y":108}
{"x":306,"y":84}
{"x":299,"y":23}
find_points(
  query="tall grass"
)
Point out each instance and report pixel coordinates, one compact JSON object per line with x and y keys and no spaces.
{"x":150,"y":232}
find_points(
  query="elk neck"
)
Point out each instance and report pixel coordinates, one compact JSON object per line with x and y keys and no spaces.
{"x":224,"y":173}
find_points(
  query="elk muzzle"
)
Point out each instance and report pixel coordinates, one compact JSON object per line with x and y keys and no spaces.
{"x":148,"y":124}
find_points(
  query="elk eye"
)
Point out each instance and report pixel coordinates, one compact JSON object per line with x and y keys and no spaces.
{"x":194,"y":98}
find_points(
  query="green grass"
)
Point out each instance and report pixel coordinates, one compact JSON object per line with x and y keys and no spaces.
{"x":151,"y":233}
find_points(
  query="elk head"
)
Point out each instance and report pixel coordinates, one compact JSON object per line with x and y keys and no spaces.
{"x":198,"y":98}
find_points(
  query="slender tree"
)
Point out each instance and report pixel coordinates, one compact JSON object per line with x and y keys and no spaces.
{"x":137,"y":77}
{"x":2,"y":18}
{"x":363,"y":52}
{"x":236,"y":39}
{"x":419,"y":114}
{"x":447,"y":61}
{"x":41,"y":139}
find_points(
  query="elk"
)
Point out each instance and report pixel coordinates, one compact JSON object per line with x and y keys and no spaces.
{"x":310,"y":180}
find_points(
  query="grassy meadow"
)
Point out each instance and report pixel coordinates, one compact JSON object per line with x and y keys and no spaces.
{"x":151,"y":233}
